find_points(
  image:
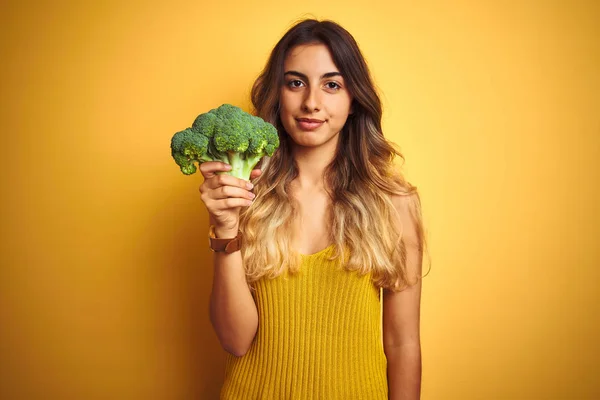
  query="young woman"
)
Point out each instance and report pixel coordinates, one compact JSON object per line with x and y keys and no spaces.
{"x":304,"y":255}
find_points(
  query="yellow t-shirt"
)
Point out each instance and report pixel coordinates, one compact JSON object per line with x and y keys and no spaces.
{"x":319,"y":337}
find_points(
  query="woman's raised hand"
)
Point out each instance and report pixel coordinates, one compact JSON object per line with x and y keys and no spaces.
{"x":224,"y":195}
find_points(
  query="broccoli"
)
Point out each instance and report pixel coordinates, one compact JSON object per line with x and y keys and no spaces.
{"x":226,"y":134}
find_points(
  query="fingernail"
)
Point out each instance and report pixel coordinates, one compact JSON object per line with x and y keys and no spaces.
{"x":249,"y":185}
{"x":252,"y":195}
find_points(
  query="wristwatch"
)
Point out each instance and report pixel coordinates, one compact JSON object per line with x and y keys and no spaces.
{"x":221,"y":245}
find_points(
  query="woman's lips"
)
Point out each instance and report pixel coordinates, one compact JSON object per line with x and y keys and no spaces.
{"x":309,"y":124}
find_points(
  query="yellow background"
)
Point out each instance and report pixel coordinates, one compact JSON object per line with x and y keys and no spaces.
{"x":105,"y":273}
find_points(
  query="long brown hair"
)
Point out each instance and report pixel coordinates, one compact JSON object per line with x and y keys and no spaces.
{"x":361,"y":179}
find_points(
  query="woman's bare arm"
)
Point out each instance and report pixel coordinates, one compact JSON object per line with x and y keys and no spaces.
{"x":233,"y":313}
{"x":401,"y":314}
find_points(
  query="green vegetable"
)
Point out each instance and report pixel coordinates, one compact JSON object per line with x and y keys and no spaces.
{"x":226,"y":134}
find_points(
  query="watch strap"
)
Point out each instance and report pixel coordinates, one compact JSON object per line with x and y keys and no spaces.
{"x":224,"y":245}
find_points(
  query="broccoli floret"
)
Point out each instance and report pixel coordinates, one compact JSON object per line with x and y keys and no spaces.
{"x":187,"y":147}
{"x":226,"y":134}
{"x":263,"y":141}
{"x":205,"y":123}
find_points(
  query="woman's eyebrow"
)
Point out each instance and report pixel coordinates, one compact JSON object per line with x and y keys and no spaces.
{"x":302,"y":76}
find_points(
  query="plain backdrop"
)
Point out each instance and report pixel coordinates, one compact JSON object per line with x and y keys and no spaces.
{"x":105,"y":270}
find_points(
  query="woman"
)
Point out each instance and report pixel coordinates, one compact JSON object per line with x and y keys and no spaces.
{"x":329,"y":226}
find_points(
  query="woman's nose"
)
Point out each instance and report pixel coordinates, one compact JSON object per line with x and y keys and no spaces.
{"x":312,"y":101}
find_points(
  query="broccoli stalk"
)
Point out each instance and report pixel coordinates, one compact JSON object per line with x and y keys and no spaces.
{"x":241,"y":165}
{"x":226,"y":134}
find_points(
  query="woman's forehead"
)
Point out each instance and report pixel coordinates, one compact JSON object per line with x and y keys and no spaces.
{"x":311,"y":58}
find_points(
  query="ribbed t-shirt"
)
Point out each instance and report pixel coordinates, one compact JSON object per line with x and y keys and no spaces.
{"x":318,"y":337}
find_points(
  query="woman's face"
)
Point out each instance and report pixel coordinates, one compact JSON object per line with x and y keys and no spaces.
{"x":314,"y":100}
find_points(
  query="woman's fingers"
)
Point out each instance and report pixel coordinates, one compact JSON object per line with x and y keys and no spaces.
{"x":222,"y":191}
{"x":225,"y":192}
{"x":216,"y":181}
{"x":215,"y":206}
{"x":255,"y":173}
{"x":213,"y":180}
{"x":210,"y":168}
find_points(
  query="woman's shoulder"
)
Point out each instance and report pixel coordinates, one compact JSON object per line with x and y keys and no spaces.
{"x":408,"y":212}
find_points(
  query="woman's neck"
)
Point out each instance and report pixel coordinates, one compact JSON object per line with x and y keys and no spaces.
{"x":311,"y":163}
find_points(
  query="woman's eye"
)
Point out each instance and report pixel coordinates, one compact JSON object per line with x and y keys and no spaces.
{"x":295,"y":83}
{"x":333,"y":85}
